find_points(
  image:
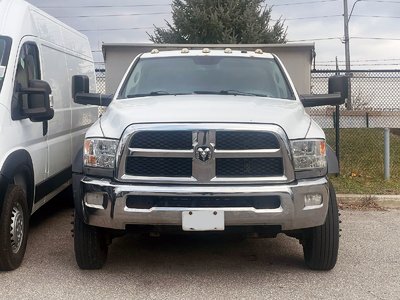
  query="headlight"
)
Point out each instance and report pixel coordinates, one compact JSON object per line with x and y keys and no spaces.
{"x":99,"y":153}
{"x":309,"y":154}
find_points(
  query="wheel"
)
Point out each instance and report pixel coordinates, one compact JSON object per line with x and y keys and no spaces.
{"x":90,"y":245}
{"x":321,"y":244}
{"x":14,"y":226}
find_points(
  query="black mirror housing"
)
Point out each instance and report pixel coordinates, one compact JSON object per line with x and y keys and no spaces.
{"x":322,"y":100}
{"x":93,"y":99}
{"x":38,"y":109}
{"x":80,"y":84}
{"x":338,"y":89}
{"x":339,"y":84}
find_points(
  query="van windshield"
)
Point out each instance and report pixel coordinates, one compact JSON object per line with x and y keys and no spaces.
{"x":5,"y":45}
{"x":219,"y":75}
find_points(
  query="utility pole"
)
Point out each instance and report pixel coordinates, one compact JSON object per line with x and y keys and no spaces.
{"x":347,"y":50}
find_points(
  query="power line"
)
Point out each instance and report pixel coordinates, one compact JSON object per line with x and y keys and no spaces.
{"x":316,"y":39}
{"x":118,"y":29}
{"x":375,"y":16}
{"x":113,"y":15}
{"x":302,"y":3}
{"x":360,"y":60}
{"x":382,"y":1}
{"x":375,"y":38}
{"x":105,"y":6}
{"x":313,"y":17}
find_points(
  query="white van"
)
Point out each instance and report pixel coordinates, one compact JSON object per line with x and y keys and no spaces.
{"x":41,"y":129}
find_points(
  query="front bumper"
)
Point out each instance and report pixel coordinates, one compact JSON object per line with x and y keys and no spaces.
{"x":113,"y":211}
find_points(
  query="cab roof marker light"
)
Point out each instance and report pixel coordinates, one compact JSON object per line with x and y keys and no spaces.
{"x":258,"y":51}
{"x":185,"y":50}
{"x":155,"y":51}
{"x":206,"y":50}
{"x":228,"y":50}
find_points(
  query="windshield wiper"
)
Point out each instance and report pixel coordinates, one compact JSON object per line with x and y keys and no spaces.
{"x":230,"y":92}
{"x":156,"y":93}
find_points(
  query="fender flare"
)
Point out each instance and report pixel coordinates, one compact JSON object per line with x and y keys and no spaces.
{"x":18,"y":161}
{"x":332,"y":161}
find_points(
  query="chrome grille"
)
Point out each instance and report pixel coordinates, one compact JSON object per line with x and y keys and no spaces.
{"x":204,"y":154}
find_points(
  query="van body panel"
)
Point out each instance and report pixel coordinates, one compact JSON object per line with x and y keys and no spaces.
{"x":63,"y":52}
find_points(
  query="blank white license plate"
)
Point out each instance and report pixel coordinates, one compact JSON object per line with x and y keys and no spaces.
{"x":203,"y":220}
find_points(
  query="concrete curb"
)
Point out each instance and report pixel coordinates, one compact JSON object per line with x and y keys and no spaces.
{"x":386,"y":201}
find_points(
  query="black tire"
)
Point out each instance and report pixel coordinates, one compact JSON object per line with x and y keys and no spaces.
{"x":321,"y":244}
{"x":90,"y":245}
{"x":14,"y":227}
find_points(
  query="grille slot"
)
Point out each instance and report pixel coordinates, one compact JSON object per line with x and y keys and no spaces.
{"x":170,"y":140}
{"x":249,"y":167}
{"x":147,"y":202}
{"x":245,"y":140}
{"x":158,"y":167}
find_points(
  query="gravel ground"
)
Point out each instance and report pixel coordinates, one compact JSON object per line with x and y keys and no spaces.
{"x":209,"y":267}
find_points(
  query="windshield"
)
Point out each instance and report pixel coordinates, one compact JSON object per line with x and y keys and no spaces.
{"x":5,"y":44}
{"x":223,"y":75}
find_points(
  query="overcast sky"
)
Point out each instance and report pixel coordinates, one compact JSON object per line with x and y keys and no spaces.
{"x":374,"y":26}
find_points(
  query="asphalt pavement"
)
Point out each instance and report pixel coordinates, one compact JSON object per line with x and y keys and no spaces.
{"x":208,"y":267}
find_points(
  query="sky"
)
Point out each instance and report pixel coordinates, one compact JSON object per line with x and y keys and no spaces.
{"x":374,"y":26}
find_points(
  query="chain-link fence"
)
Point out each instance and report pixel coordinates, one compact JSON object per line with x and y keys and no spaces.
{"x":101,"y":80}
{"x":375,"y":105}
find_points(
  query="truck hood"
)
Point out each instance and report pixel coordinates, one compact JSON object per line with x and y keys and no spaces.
{"x":288,"y":114}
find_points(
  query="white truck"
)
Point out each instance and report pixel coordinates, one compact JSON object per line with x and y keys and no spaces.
{"x":41,"y":129}
{"x":206,"y":140}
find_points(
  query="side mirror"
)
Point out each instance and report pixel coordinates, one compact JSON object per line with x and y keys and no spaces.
{"x":80,"y":84}
{"x":339,"y":84}
{"x":38,"y":107}
{"x":93,"y":99}
{"x":81,"y":95}
{"x":322,"y":100}
{"x":338,"y":88}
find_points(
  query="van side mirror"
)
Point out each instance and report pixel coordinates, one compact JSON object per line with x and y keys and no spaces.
{"x":338,"y":87}
{"x":81,"y":95}
{"x":38,"y":107}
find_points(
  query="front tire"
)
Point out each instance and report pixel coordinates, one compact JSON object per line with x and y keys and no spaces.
{"x":90,"y":245}
{"x":321,"y":244}
{"x":14,"y":226}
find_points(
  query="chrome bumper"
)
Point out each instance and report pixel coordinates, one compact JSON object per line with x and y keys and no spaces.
{"x":292,"y":213}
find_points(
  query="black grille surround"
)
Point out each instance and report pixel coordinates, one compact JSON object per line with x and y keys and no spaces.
{"x":148,"y":202}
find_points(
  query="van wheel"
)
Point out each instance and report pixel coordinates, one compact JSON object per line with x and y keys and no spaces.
{"x":14,"y":225}
{"x":90,"y":245}
{"x":321,"y":244}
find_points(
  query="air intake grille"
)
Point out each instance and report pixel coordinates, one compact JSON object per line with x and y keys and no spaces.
{"x":249,"y":167}
{"x":172,"y":140}
{"x":245,"y":140}
{"x":147,"y":202}
{"x":159,"y":167}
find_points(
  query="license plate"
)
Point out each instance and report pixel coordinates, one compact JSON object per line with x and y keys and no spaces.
{"x":203,"y":220}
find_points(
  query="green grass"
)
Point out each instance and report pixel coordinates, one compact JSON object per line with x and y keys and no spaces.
{"x":361,"y":162}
